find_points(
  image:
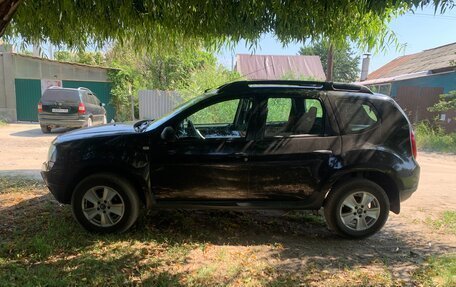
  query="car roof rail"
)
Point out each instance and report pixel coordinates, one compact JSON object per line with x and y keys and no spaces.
{"x":312,"y":85}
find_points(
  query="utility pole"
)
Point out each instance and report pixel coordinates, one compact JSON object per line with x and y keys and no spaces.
{"x":330,"y":63}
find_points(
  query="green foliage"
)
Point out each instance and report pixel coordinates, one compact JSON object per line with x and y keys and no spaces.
{"x":346,"y":65}
{"x":292,"y":76}
{"x":82,"y":57}
{"x":446,"y":222}
{"x":447,"y":102}
{"x":221,"y":113}
{"x":439,"y":271}
{"x":164,"y":23}
{"x":206,"y":78}
{"x":186,"y":69}
{"x":433,"y":138}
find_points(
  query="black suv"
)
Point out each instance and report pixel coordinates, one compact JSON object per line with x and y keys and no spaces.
{"x":70,"y":108}
{"x":245,"y":145}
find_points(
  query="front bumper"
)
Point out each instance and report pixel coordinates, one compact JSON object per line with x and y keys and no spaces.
{"x":57,"y":183}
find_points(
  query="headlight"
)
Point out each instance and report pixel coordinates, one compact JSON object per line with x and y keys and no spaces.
{"x":52,"y":154}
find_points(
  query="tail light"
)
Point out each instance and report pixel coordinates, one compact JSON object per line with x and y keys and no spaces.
{"x":413,"y":142}
{"x":81,"y":109}
{"x":40,"y":107}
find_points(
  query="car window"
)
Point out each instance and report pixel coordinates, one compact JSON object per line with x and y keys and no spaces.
{"x":93,"y":100}
{"x":356,"y":116}
{"x":96,"y":100}
{"x":294,"y":116}
{"x":85,"y":98}
{"x":60,"y":95}
{"x":227,"y":119}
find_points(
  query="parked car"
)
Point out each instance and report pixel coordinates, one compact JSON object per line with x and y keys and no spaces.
{"x":70,"y":108}
{"x":246,"y":145}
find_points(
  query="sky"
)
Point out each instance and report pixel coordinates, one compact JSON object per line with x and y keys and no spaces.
{"x":420,"y":31}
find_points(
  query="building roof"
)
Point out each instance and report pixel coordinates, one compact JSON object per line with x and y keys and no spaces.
{"x":56,"y":61}
{"x":275,"y":67}
{"x":431,"y":60}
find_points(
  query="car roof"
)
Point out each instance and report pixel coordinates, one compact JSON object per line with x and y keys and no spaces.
{"x":67,"y":89}
{"x":280,"y":85}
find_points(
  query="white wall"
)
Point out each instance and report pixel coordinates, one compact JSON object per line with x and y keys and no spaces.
{"x":7,"y":88}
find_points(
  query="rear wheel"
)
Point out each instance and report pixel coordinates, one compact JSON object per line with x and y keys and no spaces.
{"x":105,"y":203}
{"x":357,"y":208}
{"x":45,"y":129}
{"x":89,"y":122}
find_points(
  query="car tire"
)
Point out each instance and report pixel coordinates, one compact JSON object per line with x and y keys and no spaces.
{"x":356,"y":208}
{"x":105,"y":203}
{"x":89,"y":122}
{"x":45,"y":129}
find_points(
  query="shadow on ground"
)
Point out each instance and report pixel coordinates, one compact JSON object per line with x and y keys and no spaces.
{"x":34,"y":133}
{"x":38,"y":236}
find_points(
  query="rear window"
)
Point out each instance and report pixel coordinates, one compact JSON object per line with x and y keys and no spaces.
{"x":60,"y":95}
{"x":356,"y":116}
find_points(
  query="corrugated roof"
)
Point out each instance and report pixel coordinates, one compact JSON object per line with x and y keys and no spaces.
{"x":428,"y":60}
{"x":274,"y":67}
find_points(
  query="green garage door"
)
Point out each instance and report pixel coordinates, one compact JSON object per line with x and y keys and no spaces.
{"x":28,"y":94}
{"x":101,"y":89}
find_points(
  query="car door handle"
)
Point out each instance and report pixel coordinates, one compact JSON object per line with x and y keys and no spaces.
{"x":324,"y":151}
{"x":241,"y":155}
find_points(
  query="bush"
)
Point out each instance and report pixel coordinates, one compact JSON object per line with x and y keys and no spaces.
{"x":431,"y":138}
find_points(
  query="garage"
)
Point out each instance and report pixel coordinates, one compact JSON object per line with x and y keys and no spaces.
{"x":23,"y":79}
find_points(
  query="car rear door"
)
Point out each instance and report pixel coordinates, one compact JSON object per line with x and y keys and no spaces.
{"x":60,"y":104}
{"x":297,"y":150}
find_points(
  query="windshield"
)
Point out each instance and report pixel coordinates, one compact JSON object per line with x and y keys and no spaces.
{"x":176,"y":111}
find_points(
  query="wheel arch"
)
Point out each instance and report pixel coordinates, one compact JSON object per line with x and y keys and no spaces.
{"x":139,"y":183}
{"x":381,"y":178}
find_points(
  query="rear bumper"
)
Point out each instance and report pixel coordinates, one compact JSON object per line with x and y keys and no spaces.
{"x":63,"y":122}
{"x":410,"y":184}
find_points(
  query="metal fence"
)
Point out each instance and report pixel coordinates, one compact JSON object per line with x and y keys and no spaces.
{"x":155,"y":103}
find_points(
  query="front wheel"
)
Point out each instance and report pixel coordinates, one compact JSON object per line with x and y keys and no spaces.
{"x":358,"y":208}
{"x":105,"y":203}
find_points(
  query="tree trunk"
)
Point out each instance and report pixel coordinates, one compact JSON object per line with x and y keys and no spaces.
{"x":330,"y":63}
{"x":7,"y":9}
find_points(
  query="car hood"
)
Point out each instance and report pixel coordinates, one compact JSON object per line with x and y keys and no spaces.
{"x":98,"y":131}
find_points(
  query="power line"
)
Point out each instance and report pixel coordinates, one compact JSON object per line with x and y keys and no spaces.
{"x":447,"y":17}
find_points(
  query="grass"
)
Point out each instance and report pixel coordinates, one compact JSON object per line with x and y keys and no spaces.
{"x":439,"y":271}
{"x":446,"y":222}
{"x":41,"y":245}
{"x":434,"y":139}
{"x":2,"y":123}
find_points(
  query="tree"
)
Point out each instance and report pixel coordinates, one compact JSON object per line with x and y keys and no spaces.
{"x":83,"y":57}
{"x":446,"y":103}
{"x":346,"y":65}
{"x":185,"y":69}
{"x":167,"y":23}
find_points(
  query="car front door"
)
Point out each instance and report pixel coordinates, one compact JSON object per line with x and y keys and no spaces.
{"x":208,"y":160}
{"x":295,"y":151}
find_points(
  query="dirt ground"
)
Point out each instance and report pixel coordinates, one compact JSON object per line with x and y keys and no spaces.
{"x":402,"y":245}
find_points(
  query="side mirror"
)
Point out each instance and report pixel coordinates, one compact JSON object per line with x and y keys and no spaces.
{"x":102,"y":104}
{"x":168,"y":134}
